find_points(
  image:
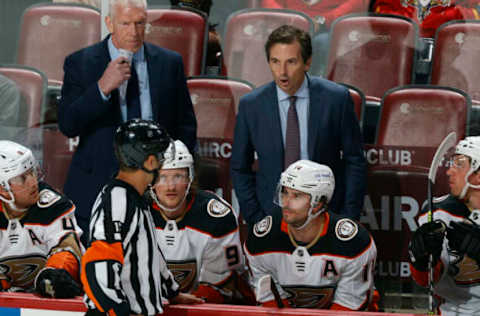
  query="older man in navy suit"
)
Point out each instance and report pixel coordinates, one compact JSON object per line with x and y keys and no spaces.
{"x":113,"y":81}
{"x":322,"y":127}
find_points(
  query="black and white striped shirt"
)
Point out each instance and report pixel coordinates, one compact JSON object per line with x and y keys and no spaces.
{"x":124,"y":268}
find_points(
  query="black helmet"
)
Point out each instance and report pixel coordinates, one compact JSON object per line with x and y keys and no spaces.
{"x":136,"y":139}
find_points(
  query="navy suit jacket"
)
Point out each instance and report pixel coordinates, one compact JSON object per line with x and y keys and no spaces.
{"x":83,"y":112}
{"x":334,"y":139}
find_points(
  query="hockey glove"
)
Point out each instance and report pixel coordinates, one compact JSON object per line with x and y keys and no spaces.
{"x":465,"y":238}
{"x":56,"y":283}
{"x":427,"y":239}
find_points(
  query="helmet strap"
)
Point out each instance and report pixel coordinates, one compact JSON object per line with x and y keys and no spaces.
{"x":311,"y":216}
{"x":169,"y":209}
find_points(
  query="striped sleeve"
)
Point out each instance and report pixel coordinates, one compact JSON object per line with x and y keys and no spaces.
{"x":102,"y":262}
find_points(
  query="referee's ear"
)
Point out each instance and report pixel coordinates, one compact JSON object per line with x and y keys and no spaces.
{"x":151,"y":163}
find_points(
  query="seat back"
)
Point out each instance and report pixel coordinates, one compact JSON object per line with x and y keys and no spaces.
{"x":245,"y":37}
{"x":33,"y":87}
{"x":422,"y":115}
{"x":372,"y":52}
{"x":456,"y":51}
{"x":183,"y":30}
{"x":215,"y":101}
{"x":358,"y":99}
{"x":51,"y":31}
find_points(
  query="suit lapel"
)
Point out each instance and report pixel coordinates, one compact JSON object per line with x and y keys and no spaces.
{"x":315,"y":111}
{"x":153,"y":64}
{"x":272,"y":119}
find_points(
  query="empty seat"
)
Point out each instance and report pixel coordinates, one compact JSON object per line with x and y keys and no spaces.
{"x":245,"y":37}
{"x":33,"y":87}
{"x":456,"y":52}
{"x":422,"y":115}
{"x":372,"y":52}
{"x":358,"y":99}
{"x":57,"y":154}
{"x":51,"y":31}
{"x":182,"y":30}
{"x":215,"y":101}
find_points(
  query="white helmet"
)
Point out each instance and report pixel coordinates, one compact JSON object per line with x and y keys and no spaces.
{"x":309,"y":177}
{"x":179,"y":158}
{"x":470,"y":147}
{"x":15,"y":159}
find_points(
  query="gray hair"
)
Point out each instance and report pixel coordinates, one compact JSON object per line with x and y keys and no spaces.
{"x":142,"y":4}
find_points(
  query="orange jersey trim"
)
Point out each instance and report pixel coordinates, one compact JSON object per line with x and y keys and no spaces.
{"x":99,"y":251}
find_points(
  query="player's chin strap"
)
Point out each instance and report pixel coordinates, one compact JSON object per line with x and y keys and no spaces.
{"x":311,"y":216}
{"x":11,"y":203}
{"x":468,"y":184}
{"x":165,"y":208}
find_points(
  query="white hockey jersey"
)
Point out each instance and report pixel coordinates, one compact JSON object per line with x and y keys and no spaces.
{"x":47,"y":228}
{"x":203,"y":245}
{"x":335,"y":268}
{"x":459,"y":284}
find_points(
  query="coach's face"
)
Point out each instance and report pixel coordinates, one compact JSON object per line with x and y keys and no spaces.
{"x":287,"y":66}
{"x":127,"y":26}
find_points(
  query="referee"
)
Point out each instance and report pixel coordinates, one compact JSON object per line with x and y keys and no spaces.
{"x":123,"y":269}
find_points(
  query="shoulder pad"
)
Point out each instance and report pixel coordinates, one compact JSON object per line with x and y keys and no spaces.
{"x":263,"y":227}
{"x":440,"y":198}
{"x":216,"y":208}
{"x":346,"y":229}
{"x":47,"y":198}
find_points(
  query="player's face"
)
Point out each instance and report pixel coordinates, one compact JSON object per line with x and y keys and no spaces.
{"x":295,"y":206}
{"x":171,"y":186}
{"x":287,"y":66}
{"x":25,"y":188}
{"x":459,"y":166}
{"x":127,"y":27}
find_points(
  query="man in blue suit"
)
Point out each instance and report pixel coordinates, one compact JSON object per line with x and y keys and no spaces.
{"x":92,"y":106}
{"x":329,"y":132}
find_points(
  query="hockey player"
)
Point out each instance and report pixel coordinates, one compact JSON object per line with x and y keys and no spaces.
{"x":39,"y":237}
{"x":123,"y":270}
{"x":453,"y":237}
{"x":198,"y":233}
{"x":316,"y":259}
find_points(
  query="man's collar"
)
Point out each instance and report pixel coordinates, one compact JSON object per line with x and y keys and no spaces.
{"x":139,"y":56}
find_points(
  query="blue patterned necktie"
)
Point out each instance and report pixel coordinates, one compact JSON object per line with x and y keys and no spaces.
{"x":133,"y":96}
{"x":292,"y":137}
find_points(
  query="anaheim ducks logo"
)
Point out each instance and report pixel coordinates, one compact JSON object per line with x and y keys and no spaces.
{"x":309,"y":297}
{"x":263,"y":227}
{"x":185,"y":273}
{"x":217,"y":209}
{"x":47,"y":198}
{"x":346,"y":229}
{"x":22,"y":270}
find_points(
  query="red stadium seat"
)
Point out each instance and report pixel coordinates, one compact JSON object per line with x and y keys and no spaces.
{"x":245,"y":36}
{"x":422,"y":115}
{"x":215,"y":101}
{"x":455,"y":57}
{"x":51,"y":31}
{"x":182,"y":30}
{"x":372,"y":52}
{"x":358,"y":101}
{"x":57,"y":155}
{"x":33,"y":86}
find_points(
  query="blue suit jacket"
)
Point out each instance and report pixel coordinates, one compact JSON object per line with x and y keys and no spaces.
{"x":333,"y":129}
{"x":84,"y":113}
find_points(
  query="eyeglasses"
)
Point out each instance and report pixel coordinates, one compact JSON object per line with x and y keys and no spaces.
{"x":173,"y":179}
{"x":21,"y":179}
{"x":459,"y":162}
